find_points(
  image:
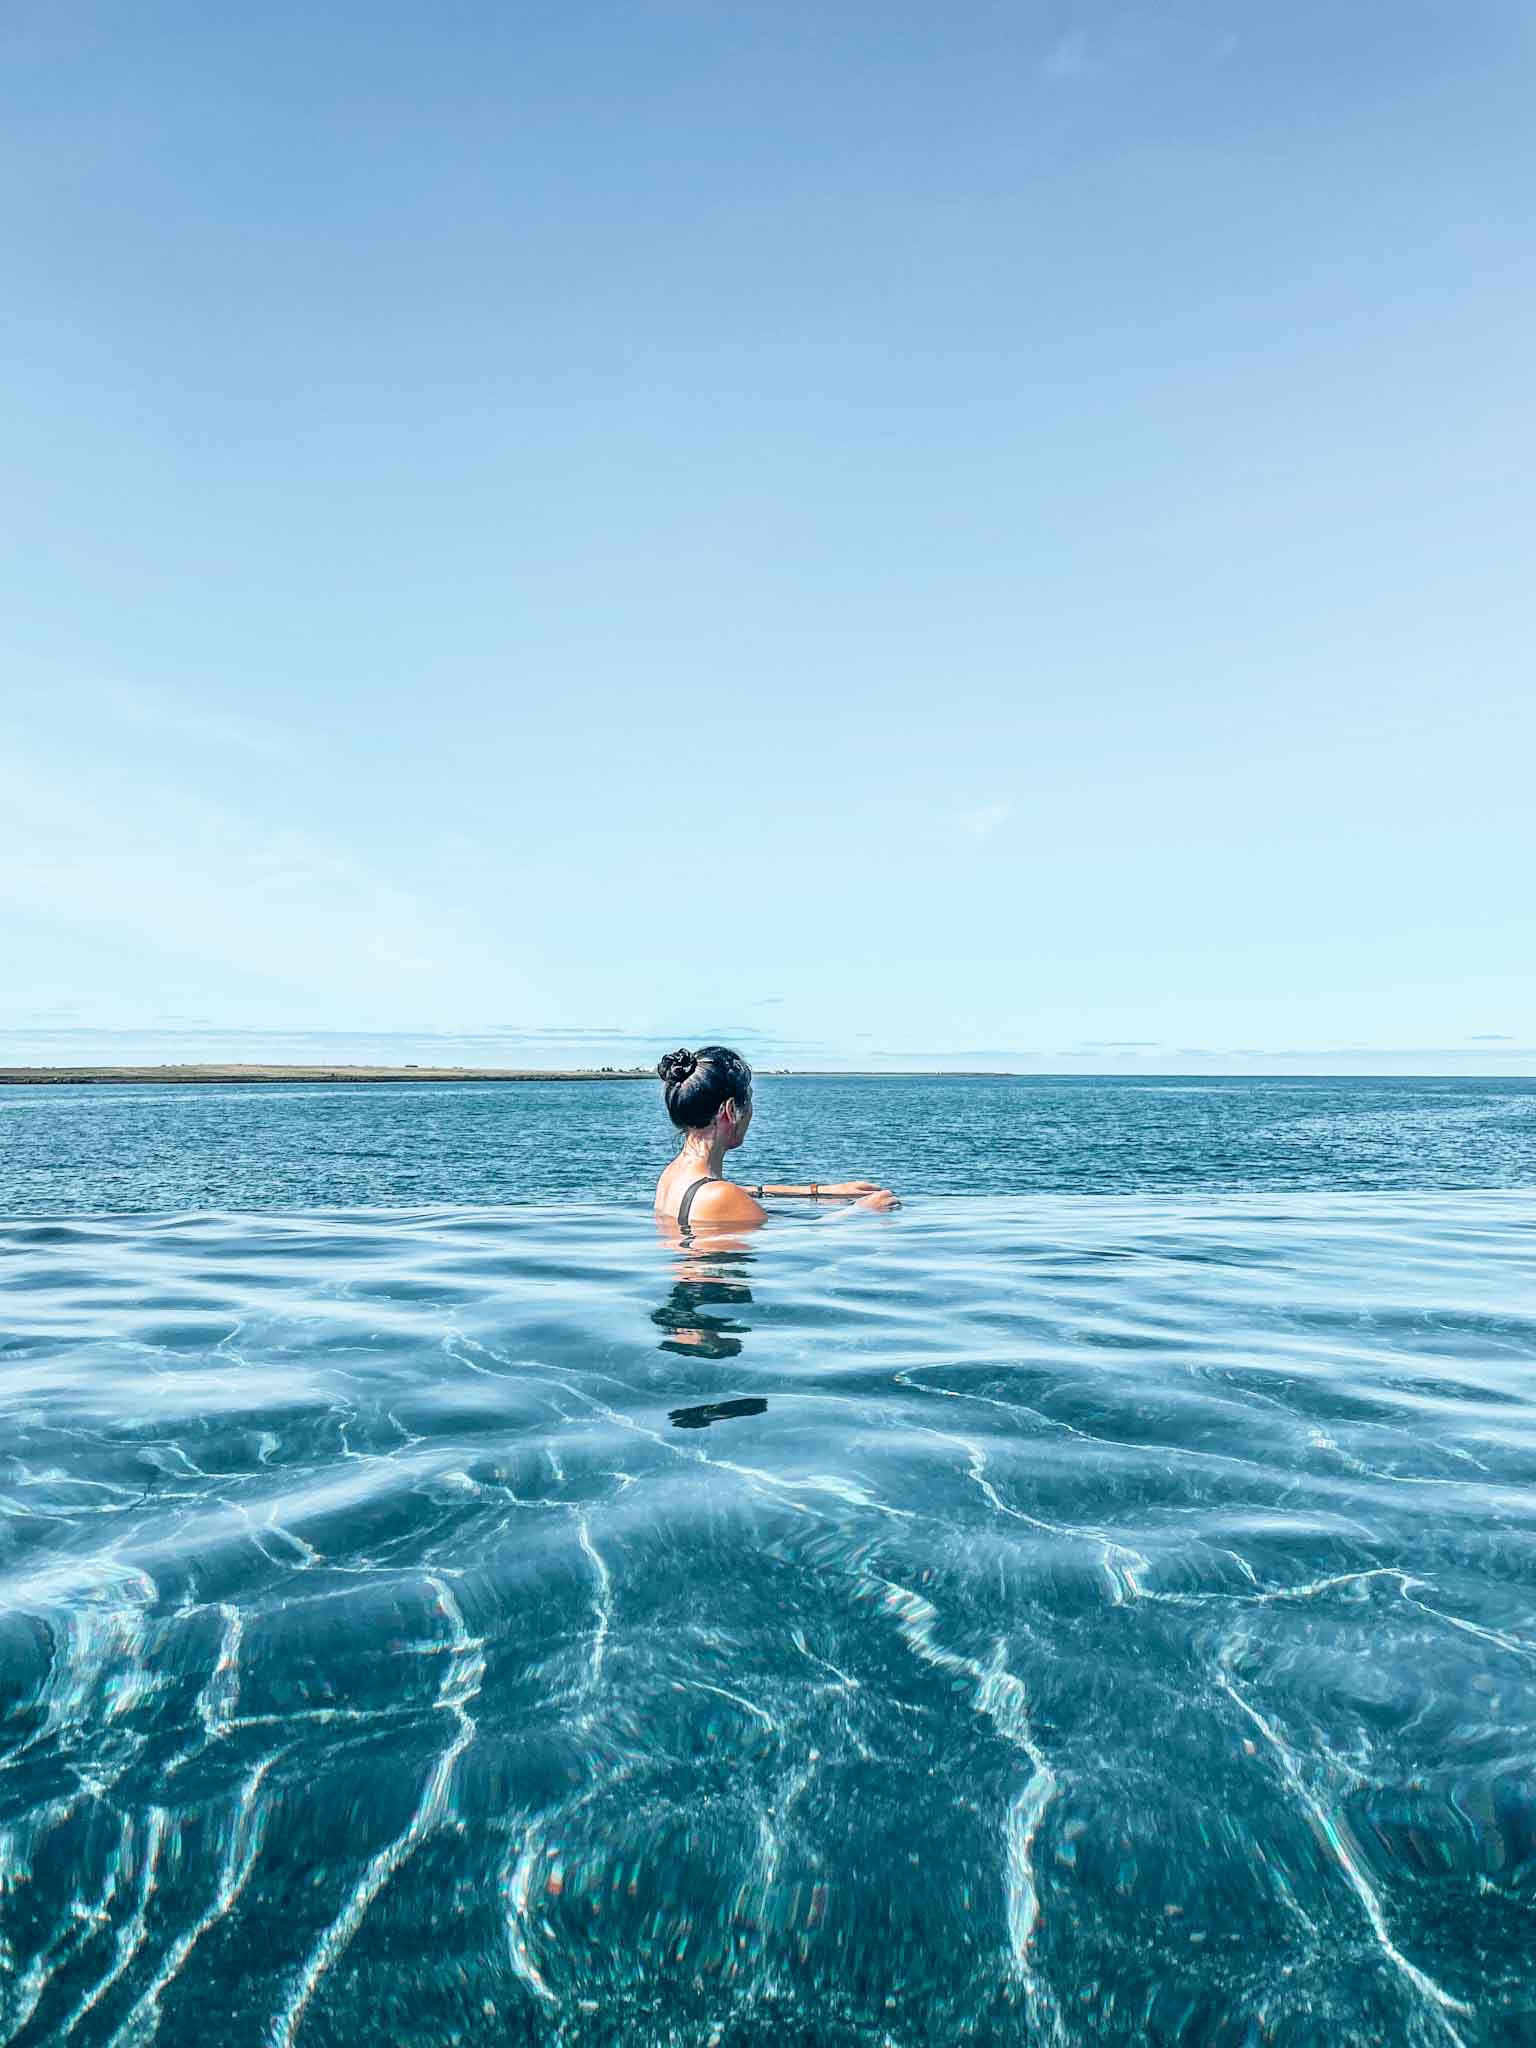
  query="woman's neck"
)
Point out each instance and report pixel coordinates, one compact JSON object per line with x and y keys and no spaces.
{"x":704,"y":1153}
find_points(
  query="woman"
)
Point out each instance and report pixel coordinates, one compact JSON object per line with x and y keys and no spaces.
{"x":709,"y":1098}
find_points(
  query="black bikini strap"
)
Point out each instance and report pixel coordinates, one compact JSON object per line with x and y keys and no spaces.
{"x":685,"y":1206}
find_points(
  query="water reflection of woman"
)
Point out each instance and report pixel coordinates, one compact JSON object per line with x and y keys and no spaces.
{"x":709,"y":1099}
{"x":691,"y":1314}
{"x":700,"y":1319}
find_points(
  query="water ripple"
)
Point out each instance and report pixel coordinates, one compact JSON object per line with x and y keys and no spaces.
{"x":1098,"y":1621}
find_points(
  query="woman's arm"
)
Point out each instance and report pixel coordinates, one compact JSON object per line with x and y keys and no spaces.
{"x":860,"y":1194}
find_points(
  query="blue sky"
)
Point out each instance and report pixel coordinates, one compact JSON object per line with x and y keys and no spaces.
{"x":995,"y":535}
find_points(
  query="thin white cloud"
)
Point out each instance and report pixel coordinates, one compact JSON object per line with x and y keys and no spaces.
{"x":968,"y":831}
{"x":1138,"y":41}
{"x":1067,"y":58}
{"x":171,"y":713}
{"x":211,"y":887}
{"x":151,"y":707}
{"x":1354,"y":1053}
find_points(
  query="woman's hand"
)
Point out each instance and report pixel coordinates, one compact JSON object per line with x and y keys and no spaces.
{"x":851,"y":1187}
{"x":879,"y":1198}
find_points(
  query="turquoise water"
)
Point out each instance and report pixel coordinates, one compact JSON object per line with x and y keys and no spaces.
{"x":64,"y":1150}
{"x":1027,"y":1618}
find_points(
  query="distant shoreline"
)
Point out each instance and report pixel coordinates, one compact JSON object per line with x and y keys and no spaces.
{"x":263,"y":1074}
{"x":259,"y":1074}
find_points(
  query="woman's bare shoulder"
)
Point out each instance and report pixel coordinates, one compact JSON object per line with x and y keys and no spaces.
{"x":722,"y":1201}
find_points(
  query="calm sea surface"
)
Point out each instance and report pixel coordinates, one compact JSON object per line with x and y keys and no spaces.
{"x":69,"y":1150}
{"x":1096,"y":1604}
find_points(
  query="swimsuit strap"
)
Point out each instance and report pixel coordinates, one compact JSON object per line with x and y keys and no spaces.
{"x":686,"y":1205}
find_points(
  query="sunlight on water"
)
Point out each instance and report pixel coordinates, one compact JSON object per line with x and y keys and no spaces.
{"x":1030,"y":1621}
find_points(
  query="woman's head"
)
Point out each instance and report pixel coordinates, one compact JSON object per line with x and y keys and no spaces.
{"x":707,"y":1089}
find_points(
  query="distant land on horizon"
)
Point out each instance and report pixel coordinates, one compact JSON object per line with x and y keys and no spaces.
{"x":250,"y":1072}
{"x":261,"y":1071}
{"x":256,"y":1071}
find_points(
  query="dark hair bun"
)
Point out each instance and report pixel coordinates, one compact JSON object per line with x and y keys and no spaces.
{"x":699,"y":1084}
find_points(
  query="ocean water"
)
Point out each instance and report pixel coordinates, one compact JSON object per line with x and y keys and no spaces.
{"x":67,"y":1150}
{"x":1032,"y":1617}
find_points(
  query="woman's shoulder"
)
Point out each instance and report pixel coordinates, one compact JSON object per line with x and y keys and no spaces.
{"x":723,"y":1201}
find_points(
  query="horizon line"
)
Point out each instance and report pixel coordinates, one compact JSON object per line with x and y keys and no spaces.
{"x":271,"y":1072}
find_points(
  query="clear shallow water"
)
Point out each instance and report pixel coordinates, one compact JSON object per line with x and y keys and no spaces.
{"x":1014,"y":1620}
{"x":70,"y":1150}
